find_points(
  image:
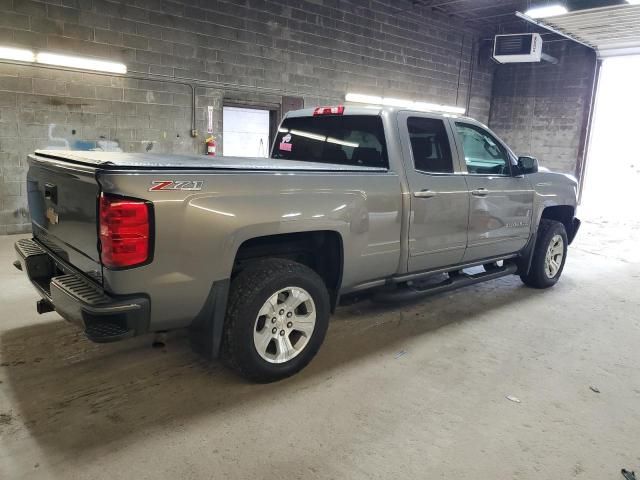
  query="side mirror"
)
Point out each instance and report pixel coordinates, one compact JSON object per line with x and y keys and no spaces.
{"x":527,"y":165}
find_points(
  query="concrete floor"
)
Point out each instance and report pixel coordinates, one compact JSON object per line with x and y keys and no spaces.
{"x":408,"y":392}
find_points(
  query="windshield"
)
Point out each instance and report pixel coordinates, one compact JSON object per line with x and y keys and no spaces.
{"x":346,"y":140}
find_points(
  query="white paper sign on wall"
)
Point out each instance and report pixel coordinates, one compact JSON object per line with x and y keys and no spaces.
{"x":210,"y":119}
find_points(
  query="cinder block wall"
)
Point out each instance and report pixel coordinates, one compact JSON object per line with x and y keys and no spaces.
{"x":540,"y":108}
{"x":250,"y":51}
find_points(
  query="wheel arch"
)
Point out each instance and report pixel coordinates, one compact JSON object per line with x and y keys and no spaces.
{"x":564,"y":214}
{"x":320,"y":250}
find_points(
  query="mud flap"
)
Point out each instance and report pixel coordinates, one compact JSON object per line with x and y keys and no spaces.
{"x":206,"y":329}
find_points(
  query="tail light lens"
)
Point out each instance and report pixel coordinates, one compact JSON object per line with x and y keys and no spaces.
{"x":339,"y":110}
{"x":124,"y":231}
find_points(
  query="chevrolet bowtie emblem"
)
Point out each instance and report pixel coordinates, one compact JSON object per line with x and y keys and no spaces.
{"x":52,"y":216}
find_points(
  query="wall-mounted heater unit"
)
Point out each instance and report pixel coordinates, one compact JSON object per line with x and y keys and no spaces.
{"x":518,"y":48}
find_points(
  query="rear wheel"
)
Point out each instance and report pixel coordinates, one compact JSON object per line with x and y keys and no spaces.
{"x":549,"y":255}
{"x":277,"y":318}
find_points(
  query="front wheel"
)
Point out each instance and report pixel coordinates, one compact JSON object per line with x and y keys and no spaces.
{"x":277,"y":318}
{"x":549,"y":255}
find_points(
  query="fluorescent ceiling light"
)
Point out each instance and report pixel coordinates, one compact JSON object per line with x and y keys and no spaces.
{"x":24,"y":55}
{"x":397,"y":102}
{"x":432,"y":107}
{"x":546,"y":11}
{"x":20,"y":54}
{"x":358,"y":98}
{"x":80,"y":63}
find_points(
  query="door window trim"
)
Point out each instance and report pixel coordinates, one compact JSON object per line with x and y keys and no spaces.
{"x":405,"y":141}
{"x":460,"y":147}
{"x":413,"y":158}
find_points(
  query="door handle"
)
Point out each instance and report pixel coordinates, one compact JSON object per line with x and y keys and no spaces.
{"x":480,"y":192}
{"x":425,"y":194}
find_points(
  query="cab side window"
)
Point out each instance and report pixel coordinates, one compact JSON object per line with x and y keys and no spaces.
{"x":482,"y":152}
{"x":430,"y":145}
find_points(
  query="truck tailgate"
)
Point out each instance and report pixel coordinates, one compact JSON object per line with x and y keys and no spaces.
{"x":63,"y":205}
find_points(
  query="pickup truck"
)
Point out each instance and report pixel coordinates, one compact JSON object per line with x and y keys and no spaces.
{"x":253,"y":254}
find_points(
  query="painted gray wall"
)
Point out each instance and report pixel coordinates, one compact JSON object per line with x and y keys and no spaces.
{"x":540,"y":108}
{"x":251,"y":51}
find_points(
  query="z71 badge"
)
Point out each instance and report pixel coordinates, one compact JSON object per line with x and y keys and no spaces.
{"x":184,"y":185}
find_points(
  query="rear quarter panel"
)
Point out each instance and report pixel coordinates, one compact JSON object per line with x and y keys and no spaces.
{"x":197,"y":234}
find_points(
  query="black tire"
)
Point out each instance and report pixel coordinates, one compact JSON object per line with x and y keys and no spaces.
{"x":537,"y":277}
{"x":249,"y":291}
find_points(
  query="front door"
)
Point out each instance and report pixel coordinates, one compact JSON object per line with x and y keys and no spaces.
{"x":439,"y":197}
{"x":500,"y":204}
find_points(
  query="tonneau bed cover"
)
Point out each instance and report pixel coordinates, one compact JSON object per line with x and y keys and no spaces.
{"x":139,"y":161}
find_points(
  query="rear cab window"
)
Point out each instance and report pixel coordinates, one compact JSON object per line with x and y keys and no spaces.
{"x":429,"y":145}
{"x":356,"y":140}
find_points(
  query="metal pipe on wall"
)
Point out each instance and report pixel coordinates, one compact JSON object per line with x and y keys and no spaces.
{"x":147,"y":77}
{"x":460,"y":67}
{"x":189,"y":82}
{"x":472,"y":62}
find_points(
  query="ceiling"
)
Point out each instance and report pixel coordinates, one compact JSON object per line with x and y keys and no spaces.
{"x":611,"y":27}
{"x":495,"y":15}
{"x":612,"y":31}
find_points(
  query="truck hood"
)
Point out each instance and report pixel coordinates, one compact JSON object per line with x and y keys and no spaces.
{"x":544,"y":174}
{"x":138,"y":161}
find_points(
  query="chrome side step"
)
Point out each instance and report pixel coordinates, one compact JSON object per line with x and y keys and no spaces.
{"x":408,"y":293}
{"x":451,"y":268}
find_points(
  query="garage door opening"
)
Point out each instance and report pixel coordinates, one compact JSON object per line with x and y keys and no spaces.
{"x":613,"y":167}
{"x":245,"y":132}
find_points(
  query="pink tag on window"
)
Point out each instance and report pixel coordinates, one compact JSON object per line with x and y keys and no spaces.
{"x":285,"y":146}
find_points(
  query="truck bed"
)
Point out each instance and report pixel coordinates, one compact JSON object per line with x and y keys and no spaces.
{"x":155,"y":161}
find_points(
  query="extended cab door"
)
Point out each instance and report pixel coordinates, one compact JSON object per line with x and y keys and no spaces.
{"x":439,"y":196}
{"x":501,"y":203}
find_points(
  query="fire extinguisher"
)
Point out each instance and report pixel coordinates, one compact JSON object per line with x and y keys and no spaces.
{"x":211,"y":145}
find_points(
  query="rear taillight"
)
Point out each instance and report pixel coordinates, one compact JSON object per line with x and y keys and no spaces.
{"x":124,"y":231}
{"x":339,"y":110}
